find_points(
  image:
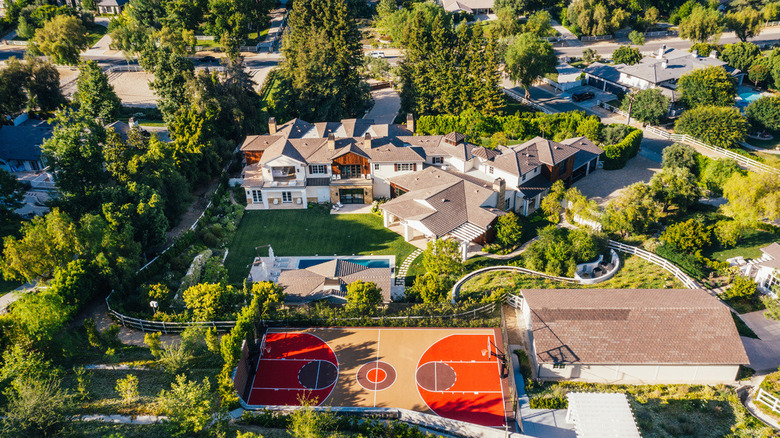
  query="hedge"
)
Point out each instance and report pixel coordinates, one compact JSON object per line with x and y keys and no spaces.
{"x":617,"y":155}
{"x":548,"y":403}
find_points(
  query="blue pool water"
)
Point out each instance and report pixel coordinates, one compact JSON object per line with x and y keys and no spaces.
{"x":750,"y":96}
{"x":370,"y":263}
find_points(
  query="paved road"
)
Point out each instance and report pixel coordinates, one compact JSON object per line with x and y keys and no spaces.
{"x":764,"y":353}
{"x":387,"y":103}
{"x":604,"y":48}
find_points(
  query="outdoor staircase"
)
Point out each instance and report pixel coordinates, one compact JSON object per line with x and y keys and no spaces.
{"x":400,"y":277}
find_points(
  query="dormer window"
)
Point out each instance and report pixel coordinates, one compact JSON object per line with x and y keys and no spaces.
{"x":437,"y":160}
{"x":318,"y":169}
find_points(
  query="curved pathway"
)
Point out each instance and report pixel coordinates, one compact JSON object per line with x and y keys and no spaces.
{"x":400,"y":276}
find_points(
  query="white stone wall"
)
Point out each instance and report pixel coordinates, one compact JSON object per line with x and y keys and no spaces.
{"x":641,"y":374}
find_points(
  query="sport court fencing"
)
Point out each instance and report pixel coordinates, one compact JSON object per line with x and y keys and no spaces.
{"x":515,"y":406}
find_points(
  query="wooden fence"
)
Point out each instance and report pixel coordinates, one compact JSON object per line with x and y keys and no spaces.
{"x":687,"y":281}
{"x":770,"y":400}
{"x":687,"y":139}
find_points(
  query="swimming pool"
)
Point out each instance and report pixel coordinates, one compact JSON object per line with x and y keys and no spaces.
{"x":304,"y":263}
{"x":750,"y":96}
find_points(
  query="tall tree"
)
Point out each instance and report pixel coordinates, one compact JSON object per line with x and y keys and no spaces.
{"x":96,"y":97}
{"x":12,"y":95}
{"x":707,"y":86}
{"x":363,"y":296}
{"x":740,"y":55}
{"x":765,"y":112}
{"x":61,"y":39}
{"x":323,"y":55}
{"x":631,"y":212}
{"x":649,"y":106}
{"x":171,"y":72}
{"x":626,"y":55}
{"x":675,"y":186}
{"x":752,"y":197}
{"x":43,"y":85}
{"x":10,"y":199}
{"x":701,"y":25}
{"x":74,"y":151}
{"x":718,"y":126}
{"x":746,"y":23}
{"x":528,"y":58}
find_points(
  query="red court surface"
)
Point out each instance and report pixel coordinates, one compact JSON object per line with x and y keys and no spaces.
{"x":452,"y":373}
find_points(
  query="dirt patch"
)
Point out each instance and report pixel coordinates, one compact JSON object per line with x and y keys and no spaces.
{"x":133,"y":88}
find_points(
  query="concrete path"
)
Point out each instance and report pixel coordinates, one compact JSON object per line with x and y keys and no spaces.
{"x":750,"y":403}
{"x":123,"y":419}
{"x":566,"y":34}
{"x":100,"y":47}
{"x":764,"y":353}
{"x":7,"y":299}
{"x":387,"y":103}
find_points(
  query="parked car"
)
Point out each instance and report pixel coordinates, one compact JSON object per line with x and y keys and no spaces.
{"x":377,"y":54}
{"x":585,"y":95}
{"x":207,"y":59}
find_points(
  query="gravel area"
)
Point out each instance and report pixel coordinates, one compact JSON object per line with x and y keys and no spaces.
{"x":133,"y":88}
{"x":607,"y":184}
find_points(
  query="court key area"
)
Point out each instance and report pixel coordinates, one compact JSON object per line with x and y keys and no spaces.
{"x":454,"y":373}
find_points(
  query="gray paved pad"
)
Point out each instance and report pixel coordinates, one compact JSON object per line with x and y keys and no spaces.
{"x":764,"y":353}
{"x":387,"y":103}
{"x":607,"y":184}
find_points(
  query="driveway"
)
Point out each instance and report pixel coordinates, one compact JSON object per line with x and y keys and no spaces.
{"x":607,"y":184}
{"x":764,"y":353}
{"x":387,"y":103}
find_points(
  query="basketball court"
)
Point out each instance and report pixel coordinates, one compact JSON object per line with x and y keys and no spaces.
{"x":454,"y":373}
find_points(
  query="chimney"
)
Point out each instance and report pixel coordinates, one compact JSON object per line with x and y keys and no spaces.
{"x":331,"y":142}
{"x":499,"y":186}
{"x":132,"y":122}
{"x":664,"y":63}
{"x":410,"y":122}
{"x":367,"y":141}
{"x":714,"y":54}
{"x":272,"y":125}
{"x":661,"y":52}
{"x":695,"y":53}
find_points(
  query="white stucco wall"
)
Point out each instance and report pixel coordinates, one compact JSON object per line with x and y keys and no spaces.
{"x":385,"y":171}
{"x":641,"y":374}
{"x":634,"y":81}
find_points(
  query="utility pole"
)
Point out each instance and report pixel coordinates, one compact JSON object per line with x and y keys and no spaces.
{"x":630,"y":106}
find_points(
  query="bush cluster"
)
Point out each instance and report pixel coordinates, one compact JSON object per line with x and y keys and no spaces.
{"x":618,"y":154}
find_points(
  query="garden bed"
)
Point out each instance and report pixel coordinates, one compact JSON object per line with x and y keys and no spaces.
{"x":673,"y":410}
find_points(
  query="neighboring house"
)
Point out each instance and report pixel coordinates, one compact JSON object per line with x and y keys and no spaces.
{"x":632,"y":336}
{"x":568,"y":77}
{"x":434,"y":203}
{"x":114,"y":7}
{"x":765,"y":269}
{"x":354,"y":161}
{"x":662,"y":71}
{"x":330,"y":279}
{"x":475,"y":7}
{"x":20,"y":146}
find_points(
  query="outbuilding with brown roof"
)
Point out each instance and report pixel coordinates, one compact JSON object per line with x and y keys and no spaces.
{"x":632,"y":336}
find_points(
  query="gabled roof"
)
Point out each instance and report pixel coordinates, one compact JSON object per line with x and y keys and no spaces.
{"x":678,"y":63}
{"x":121,"y":128}
{"x":583,"y":143}
{"x":632,"y":326}
{"x":773,"y":251}
{"x":23,"y":142}
{"x":442,"y":201}
{"x":308,"y":284}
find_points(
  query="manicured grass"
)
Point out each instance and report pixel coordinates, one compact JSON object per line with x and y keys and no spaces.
{"x":310,"y":232}
{"x":664,"y":411}
{"x":256,"y":37}
{"x":636,"y":273}
{"x":749,"y":247}
{"x":95,"y":32}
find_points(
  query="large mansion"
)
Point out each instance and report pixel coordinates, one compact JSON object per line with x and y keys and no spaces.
{"x":356,"y":161}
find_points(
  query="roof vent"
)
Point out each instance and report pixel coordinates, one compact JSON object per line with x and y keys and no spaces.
{"x":664,"y":63}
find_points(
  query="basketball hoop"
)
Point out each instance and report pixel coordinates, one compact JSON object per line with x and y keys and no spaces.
{"x":485,"y":352}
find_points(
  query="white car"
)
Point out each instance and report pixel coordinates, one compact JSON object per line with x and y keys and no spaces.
{"x":377,"y":54}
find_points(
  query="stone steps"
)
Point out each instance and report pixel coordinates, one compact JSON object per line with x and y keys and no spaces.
{"x":400,"y":277}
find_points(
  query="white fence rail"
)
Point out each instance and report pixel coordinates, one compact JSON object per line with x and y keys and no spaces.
{"x":118,"y":68}
{"x":520,"y":98}
{"x":772,"y":23}
{"x":597,"y":38}
{"x":769,"y":400}
{"x":16,"y":42}
{"x":687,"y":139}
{"x":609,"y":107}
{"x":661,"y":33}
{"x":687,"y":281}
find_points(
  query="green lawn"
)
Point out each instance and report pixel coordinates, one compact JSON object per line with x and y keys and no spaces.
{"x":95,"y":32}
{"x":310,"y":232}
{"x":636,"y":273}
{"x":749,"y":247}
{"x":665,"y":411}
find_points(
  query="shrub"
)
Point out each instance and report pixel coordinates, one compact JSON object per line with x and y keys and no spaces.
{"x":617,"y":155}
{"x":707,"y":86}
{"x":688,"y":236}
{"x":742,"y":287}
{"x":554,"y":402}
{"x":626,"y":55}
{"x":687,"y":262}
{"x":716,"y":172}
{"x":128,"y":388}
{"x":729,"y":232}
{"x":717,"y":126}
{"x":764,"y":113}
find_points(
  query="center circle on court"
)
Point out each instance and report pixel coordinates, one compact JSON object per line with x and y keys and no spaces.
{"x":376,"y":376}
{"x":318,"y":374}
{"x":436,"y":376}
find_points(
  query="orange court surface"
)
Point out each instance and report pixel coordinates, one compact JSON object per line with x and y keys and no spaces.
{"x":453,"y":373}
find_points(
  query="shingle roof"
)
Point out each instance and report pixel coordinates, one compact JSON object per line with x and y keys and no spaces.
{"x":632,"y":326}
{"x":679,"y":62}
{"x":301,"y":285}
{"x":23,"y":142}
{"x":454,"y":137}
{"x":525,"y":157}
{"x":608,"y":72}
{"x":442,"y":201}
{"x":773,"y":251}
